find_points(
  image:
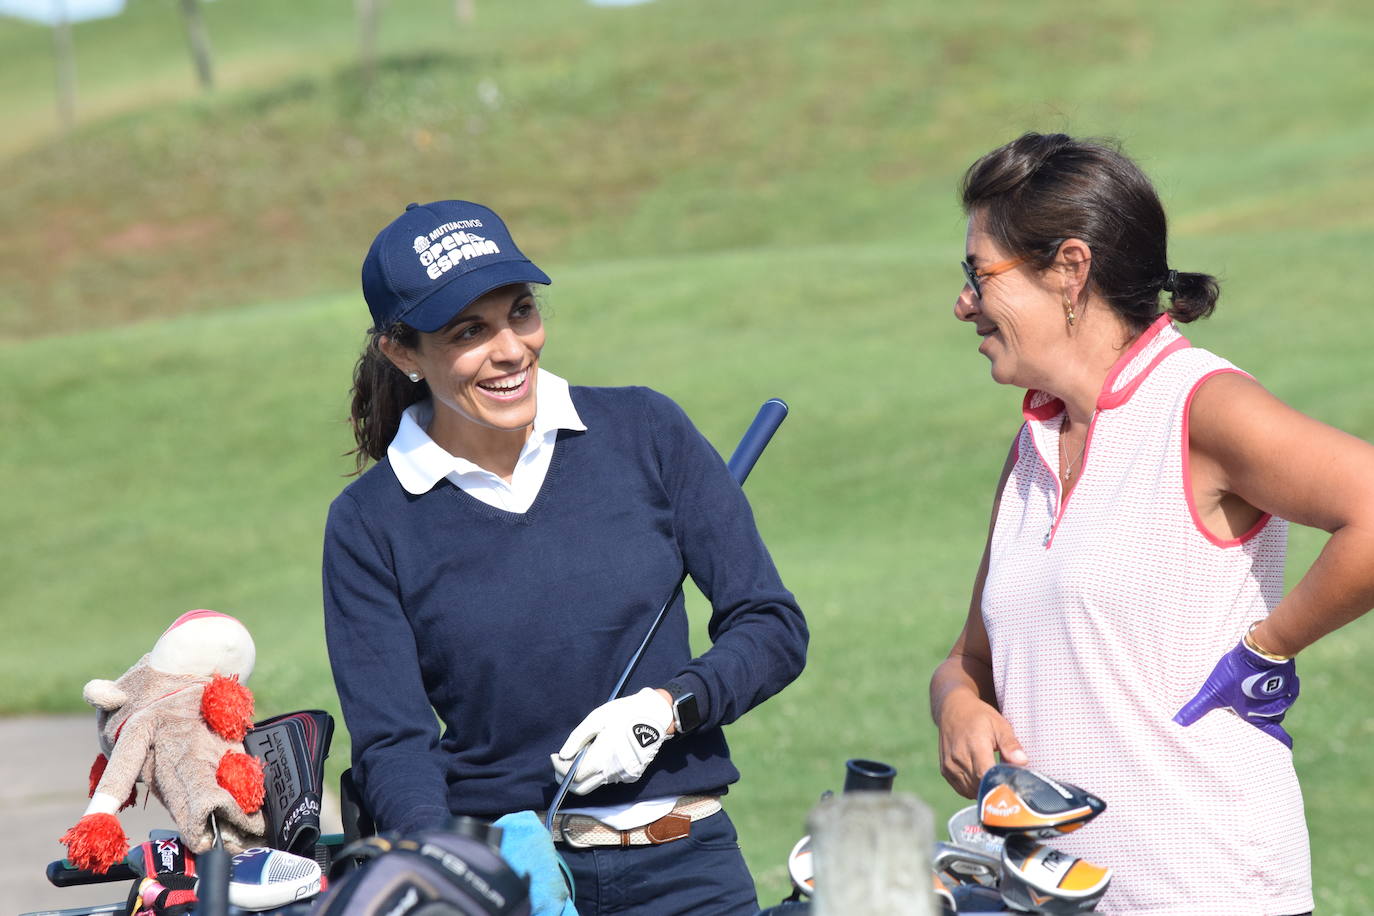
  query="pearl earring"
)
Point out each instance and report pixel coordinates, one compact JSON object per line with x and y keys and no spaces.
{"x":414,"y":376}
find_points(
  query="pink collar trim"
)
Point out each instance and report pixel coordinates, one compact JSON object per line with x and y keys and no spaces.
{"x":1126,"y":375}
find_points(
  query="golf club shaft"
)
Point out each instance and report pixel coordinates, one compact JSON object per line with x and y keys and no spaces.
{"x":213,"y":866}
{"x":746,"y":455}
{"x":94,"y":909}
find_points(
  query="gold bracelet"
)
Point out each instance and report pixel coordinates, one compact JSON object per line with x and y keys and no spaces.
{"x":1255,"y":648}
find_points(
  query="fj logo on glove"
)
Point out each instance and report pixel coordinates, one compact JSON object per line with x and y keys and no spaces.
{"x":645,"y":734}
{"x":1260,"y":686}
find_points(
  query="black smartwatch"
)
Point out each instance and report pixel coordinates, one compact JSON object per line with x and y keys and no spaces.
{"x":686,"y":709}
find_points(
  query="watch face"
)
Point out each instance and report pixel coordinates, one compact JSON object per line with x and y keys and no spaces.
{"x":686,"y":713}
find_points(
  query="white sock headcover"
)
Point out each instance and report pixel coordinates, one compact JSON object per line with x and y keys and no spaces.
{"x":205,"y":642}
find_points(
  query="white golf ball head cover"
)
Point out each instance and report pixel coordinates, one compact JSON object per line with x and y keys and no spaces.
{"x":624,"y":737}
{"x":1044,"y":880}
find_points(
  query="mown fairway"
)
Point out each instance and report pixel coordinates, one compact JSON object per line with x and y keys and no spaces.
{"x":736,"y":201}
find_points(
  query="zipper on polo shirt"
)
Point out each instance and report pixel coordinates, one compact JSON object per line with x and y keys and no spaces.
{"x":1062,"y":500}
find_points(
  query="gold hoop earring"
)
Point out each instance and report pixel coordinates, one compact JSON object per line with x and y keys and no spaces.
{"x":1068,"y":310}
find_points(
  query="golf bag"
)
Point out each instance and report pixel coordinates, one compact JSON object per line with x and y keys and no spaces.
{"x":458,"y":872}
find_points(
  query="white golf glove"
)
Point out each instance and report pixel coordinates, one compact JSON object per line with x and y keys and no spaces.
{"x":625,"y":735}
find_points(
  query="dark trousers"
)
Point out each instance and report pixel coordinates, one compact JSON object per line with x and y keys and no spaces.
{"x":700,"y":874}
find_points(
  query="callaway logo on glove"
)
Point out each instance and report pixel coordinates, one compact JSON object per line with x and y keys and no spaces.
{"x":1257,"y":689}
{"x":624,"y":737}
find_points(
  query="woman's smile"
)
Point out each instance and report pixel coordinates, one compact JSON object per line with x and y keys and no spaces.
{"x":510,"y":387}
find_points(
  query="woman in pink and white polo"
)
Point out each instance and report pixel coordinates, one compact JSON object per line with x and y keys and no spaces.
{"x":1128,"y":631}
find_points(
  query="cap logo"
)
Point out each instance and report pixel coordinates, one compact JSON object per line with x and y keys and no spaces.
{"x":450,"y":245}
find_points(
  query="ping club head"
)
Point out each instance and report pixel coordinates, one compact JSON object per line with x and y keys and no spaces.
{"x":263,"y":879}
{"x":1040,"y":879}
{"x":966,"y":866}
{"x":801,"y":868}
{"x":1016,"y":801}
{"x":966,"y":831}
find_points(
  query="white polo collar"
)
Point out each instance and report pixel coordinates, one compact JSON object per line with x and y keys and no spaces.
{"x":419,"y":462}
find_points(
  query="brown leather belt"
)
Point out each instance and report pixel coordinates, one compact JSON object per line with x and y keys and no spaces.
{"x":582,"y":830}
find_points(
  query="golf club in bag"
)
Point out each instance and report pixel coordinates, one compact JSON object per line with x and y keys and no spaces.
{"x":751,"y":446}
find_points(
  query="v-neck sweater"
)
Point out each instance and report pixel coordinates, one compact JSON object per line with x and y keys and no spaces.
{"x":1106,"y":610}
{"x":513,"y":626}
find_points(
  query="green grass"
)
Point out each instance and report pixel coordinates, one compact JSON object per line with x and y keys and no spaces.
{"x":736,"y":200}
{"x":188,"y":463}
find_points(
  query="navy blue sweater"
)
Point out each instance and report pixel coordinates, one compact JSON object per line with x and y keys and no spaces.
{"x":512,"y":627}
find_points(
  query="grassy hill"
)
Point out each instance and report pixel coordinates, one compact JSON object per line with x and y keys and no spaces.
{"x":736,"y":201}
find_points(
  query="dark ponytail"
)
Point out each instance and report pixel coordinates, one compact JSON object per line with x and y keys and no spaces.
{"x":1041,"y":189}
{"x":1194,"y":296}
{"x":381,"y":393}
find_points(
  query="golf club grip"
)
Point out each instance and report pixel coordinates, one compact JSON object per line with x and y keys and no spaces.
{"x":63,"y":874}
{"x":756,"y":438}
{"x":213,"y":888}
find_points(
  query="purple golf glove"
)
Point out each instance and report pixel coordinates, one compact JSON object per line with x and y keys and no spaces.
{"x":1257,"y":689}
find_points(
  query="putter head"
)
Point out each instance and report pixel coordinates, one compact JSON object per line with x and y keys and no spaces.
{"x":966,"y":866}
{"x":1016,"y":801}
{"x":1040,"y":879}
{"x":966,"y":831}
{"x":801,"y":868}
{"x":263,"y":879}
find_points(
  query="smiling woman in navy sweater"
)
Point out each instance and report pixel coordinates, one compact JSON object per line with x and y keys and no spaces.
{"x":501,"y":562}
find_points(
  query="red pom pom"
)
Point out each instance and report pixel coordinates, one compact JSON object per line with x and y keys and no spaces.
{"x":227,"y":707}
{"x":241,"y":776}
{"x":96,"y":842}
{"x":97,"y":771}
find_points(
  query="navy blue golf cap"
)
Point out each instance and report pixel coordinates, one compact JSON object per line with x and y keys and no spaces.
{"x":433,"y":260}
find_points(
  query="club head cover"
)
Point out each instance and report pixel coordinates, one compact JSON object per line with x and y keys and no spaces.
{"x":263,"y":879}
{"x":1015,"y":801}
{"x":801,"y":867}
{"x":163,"y":854}
{"x":1042,"y":879}
{"x":293,"y":749}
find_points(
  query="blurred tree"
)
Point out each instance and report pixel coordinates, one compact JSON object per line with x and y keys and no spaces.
{"x":66,"y":67}
{"x":368,"y":11}
{"x":199,"y":40}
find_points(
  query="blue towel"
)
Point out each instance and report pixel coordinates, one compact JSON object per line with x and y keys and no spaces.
{"x":527,"y":846}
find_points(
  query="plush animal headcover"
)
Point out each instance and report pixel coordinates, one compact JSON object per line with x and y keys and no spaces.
{"x":175,"y":721}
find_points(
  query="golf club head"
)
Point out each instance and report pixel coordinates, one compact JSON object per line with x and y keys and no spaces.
{"x":966,"y":866}
{"x":1016,"y":801}
{"x":800,"y":867}
{"x":263,"y":879}
{"x":966,"y":831}
{"x":1040,"y":879}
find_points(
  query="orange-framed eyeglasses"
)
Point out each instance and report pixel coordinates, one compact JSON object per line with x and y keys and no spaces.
{"x":974,"y":275}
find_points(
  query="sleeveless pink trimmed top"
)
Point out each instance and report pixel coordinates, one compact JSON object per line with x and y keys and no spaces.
{"x":1106,"y":611}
